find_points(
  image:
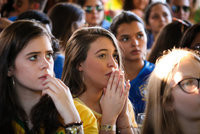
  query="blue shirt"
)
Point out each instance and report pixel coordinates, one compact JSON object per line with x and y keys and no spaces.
{"x":138,"y":88}
{"x":58,"y":65}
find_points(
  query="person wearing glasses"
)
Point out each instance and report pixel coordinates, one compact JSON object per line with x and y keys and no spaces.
{"x":173,"y":98}
{"x":94,"y":13}
{"x":180,"y":9}
{"x":191,"y":38}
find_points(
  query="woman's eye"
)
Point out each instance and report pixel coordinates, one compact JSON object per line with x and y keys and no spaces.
{"x":139,"y":36}
{"x":33,"y":58}
{"x":49,"y":55}
{"x":102,"y":56}
{"x":124,"y":39}
{"x":155,"y":17}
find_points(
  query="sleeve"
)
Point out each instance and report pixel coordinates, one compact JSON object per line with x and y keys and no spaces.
{"x":132,"y":114}
{"x":88,"y":118}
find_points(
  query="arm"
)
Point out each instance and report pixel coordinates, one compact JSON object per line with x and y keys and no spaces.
{"x":63,"y":101}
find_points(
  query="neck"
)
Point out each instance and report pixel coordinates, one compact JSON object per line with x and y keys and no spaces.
{"x":91,"y":97}
{"x":27,"y":98}
{"x":132,"y":69}
{"x":190,"y":126}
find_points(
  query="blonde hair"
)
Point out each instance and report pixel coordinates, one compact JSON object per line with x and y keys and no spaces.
{"x":160,"y":117}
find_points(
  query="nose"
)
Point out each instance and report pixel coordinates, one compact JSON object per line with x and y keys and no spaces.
{"x":44,"y":63}
{"x":134,"y":42}
{"x":112,"y":62}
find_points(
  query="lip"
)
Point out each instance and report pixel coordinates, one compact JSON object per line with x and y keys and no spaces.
{"x":43,"y":77}
{"x":109,"y":74}
{"x":136,"y":51}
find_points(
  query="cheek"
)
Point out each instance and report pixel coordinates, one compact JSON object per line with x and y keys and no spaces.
{"x":185,"y":104}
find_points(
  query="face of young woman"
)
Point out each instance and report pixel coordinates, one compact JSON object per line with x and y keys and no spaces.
{"x":132,"y":40}
{"x":100,"y":62}
{"x":33,"y":64}
{"x":186,"y":105}
{"x":159,"y":17}
{"x":95,"y":15}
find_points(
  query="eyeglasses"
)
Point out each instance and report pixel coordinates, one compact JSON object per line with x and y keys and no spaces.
{"x":177,"y":9}
{"x":189,"y":85}
{"x":88,"y":9}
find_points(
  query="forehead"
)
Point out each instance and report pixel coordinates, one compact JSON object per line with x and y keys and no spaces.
{"x":92,"y":2}
{"x":37,"y":43}
{"x":188,"y":67}
{"x":102,"y":43}
{"x":159,"y":7}
{"x":181,"y":2}
{"x":130,"y":28}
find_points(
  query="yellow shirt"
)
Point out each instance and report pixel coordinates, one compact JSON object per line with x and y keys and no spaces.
{"x":98,"y":115}
{"x":88,"y":118}
{"x":20,"y":129}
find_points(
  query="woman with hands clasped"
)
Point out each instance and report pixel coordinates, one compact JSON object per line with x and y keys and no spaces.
{"x":92,"y":70}
{"x":32,"y":99}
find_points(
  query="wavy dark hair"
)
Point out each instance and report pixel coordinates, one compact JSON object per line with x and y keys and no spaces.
{"x":44,"y":114}
{"x":76,"y":52}
{"x":63,"y":17}
{"x":124,"y":17}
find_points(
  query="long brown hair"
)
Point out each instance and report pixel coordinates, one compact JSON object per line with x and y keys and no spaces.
{"x":44,"y":114}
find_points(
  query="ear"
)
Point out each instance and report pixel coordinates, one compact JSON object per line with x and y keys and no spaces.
{"x":80,"y":67}
{"x":10,"y":71}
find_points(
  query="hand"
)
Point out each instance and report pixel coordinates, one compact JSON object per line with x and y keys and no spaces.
{"x":113,"y":99}
{"x":62,"y":99}
{"x":125,"y":111}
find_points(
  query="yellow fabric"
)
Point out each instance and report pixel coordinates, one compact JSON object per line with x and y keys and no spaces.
{"x":18,"y":128}
{"x":88,"y":118}
{"x":98,"y":115}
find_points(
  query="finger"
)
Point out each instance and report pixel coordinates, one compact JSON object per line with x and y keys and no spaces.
{"x":120,"y":86}
{"x":115,"y":82}
{"x":54,"y":84}
{"x":49,"y":93}
{"x":110,"y":81}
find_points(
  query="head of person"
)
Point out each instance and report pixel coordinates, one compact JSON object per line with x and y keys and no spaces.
{"x":91,"y":55}
{"x":66,"y":18}
{"x":180,"y":9}
{"x":25,"y":5}
{"x":169,"y":37}
{"x":94,"y":11}
{"x":38,"y":16}
{"x":26,"y":55}
{"x":130,"y":33}
{"x":135,"y":4}
{"x":173,"y":93}
{"x":157,"y":15}
{"x":191,"y":38}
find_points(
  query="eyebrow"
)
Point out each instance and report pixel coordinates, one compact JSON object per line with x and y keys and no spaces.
{"x":104,"y":50}
{"x":35,"y":53}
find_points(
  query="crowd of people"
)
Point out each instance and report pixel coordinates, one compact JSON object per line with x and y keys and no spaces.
{"x":66,"y":69}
